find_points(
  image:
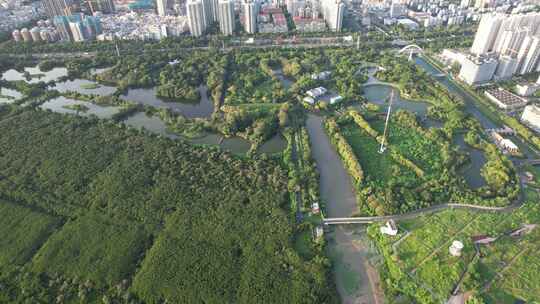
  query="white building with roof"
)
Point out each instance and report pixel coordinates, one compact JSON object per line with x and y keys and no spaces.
{"x":456,"y":248}
{"x":390,"y":228}
{"x":476,"y":69}
{"x":531,"y":117}
{"x":505,"y":100}
{"x":487,"y":33}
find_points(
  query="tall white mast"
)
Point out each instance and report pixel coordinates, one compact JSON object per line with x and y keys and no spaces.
{"x":383,"y":148}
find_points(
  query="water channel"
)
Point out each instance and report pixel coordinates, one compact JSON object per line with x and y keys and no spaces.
{"x":345,"y":244}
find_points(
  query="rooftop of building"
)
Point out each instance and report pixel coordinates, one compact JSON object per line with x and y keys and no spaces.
{"x":505,"y":97}
{"x":533,"y":109}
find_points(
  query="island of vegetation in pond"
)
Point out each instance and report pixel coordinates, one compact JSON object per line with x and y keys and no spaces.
{"x":77,"y":107}
{"x":90,"y":86}
{"x":106,"y":206}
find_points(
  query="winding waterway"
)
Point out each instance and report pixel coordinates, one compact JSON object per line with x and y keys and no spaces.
{"x":345,"y":244}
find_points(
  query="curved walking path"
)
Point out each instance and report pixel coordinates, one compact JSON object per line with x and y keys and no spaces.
{"x":420,"y":212}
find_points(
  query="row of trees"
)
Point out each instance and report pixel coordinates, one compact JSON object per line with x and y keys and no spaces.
{"x":345,"y":151}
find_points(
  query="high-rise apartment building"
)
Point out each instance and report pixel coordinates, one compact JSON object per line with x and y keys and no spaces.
{"x":506,"y":68}
{"x":196,"y":17}
{"x":226,"y":17}
{"x":62,"y":26}
{"x":486,"y":34}
{"x":477,"y":69}
{"x":333,"y":11}
{"x":528,"y":55}
{"x":512,"y":39}
{"x":104,"y":6}
{"x":250,"y":16}
{"x":484,"y":3}
{"x":215,"y":10}
{"x":77,"y":27}
{"x":161,"y":6}
{"x":210,"y":9}
{"x":55,"y":8}
{"x":77,"y":30}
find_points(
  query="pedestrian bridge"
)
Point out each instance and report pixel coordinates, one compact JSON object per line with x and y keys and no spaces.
{"x":534,"y":162}
{"x":350,"y":220}
{"x":417,"y":213}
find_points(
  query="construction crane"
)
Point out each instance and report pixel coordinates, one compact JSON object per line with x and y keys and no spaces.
{"x":383,"y":148}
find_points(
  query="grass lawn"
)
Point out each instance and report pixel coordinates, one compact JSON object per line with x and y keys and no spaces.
{"x":22,"y":232}
{"x":90,"y":86}
{"x":441,"y":271}
{"x":376,"y":166}
{"x":95,"y":248}
{"x":424,"y":152}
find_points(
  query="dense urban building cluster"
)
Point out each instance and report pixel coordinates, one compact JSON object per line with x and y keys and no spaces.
{"x":504,"y":45}
{"x":15,"y":13}
{"x":414,"y":14}
{"x":43,"y":31}
{"x":143,"y":25}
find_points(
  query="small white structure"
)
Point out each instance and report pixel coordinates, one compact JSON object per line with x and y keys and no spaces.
{"x":451,"y":56}
{"x":390,"y":228}
{"x":509,"y":145}
{"x":309,"y":100}
{"x":527,"y":89}
{"x":336,"y":99}
{"x":477,"y":69}
{"x":319,"y":232}
{"x":455,"y":248}
{"x":531,"y":117}
{"x":408,"y":23}
{"x":317,"y":92}
{"x":321,"y":76}
{"x":315,"y":208}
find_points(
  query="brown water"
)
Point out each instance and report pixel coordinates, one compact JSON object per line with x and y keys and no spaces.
{"x":346,"y":248}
